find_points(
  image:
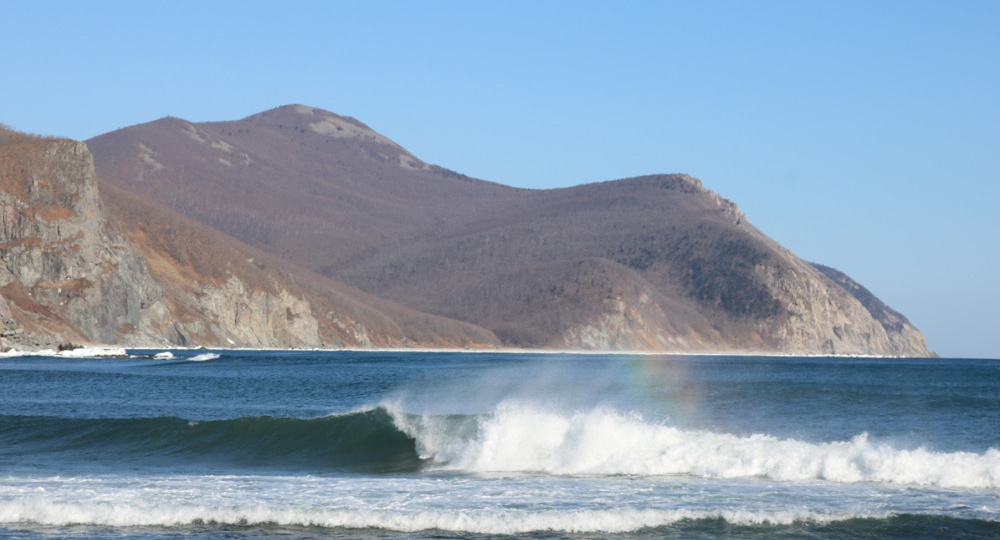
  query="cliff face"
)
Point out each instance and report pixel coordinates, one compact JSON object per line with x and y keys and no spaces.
{"x":902,"y":337}
{"x":85,"y":263}
{"x":63,"y":278}
{"x":655,"y":263}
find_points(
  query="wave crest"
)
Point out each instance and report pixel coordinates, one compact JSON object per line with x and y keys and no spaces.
{"x":527,"y":439}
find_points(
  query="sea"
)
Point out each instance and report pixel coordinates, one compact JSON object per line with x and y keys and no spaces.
{"x":236,"y":444}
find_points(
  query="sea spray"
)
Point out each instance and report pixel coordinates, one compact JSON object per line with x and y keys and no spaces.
{"x":524,"y":438}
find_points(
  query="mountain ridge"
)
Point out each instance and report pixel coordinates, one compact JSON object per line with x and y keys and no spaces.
{"x":657,"y":262}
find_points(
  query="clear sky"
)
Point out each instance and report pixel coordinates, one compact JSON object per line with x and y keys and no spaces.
{"x":864,"y":135}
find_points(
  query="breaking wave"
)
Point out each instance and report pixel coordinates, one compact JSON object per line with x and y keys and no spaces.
{"x":520,"y":438}
{"x":513,"y":438}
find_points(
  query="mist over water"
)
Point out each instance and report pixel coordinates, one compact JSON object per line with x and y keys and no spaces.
{"x":275,"y":444}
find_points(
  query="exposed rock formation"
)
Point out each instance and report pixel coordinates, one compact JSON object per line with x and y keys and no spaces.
{"x":60,"y":279}
{"x":83,"y":264}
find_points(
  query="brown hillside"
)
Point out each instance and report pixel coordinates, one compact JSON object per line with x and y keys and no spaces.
{"x":186,"y":257}
{"x":293,"y":179}
{"x":655,"y":263}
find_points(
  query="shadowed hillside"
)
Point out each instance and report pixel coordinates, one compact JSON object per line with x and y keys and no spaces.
{"x":652,"y":263}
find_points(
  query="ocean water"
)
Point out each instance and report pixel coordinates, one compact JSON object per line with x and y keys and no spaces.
{"x":292,"y":444}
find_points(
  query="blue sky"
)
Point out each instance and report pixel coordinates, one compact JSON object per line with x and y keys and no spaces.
{"x":862,"y":135}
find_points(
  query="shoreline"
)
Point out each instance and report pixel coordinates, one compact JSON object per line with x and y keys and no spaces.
{"x":119,"y":351}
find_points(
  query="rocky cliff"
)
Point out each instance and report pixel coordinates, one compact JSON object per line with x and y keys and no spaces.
{"x":63,"y":278}
{"x":85,"y":263}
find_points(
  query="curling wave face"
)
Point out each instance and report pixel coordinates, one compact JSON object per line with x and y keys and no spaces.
{"x":362,"y":441}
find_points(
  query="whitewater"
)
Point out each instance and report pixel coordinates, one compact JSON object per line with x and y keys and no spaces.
{"x":279,"y":444}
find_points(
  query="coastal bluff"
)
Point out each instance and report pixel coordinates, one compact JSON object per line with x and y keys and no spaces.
{"x":297,"y":227}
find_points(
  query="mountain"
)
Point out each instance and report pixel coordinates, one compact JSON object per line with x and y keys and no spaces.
{"x":650,"y":263}
{"x":87,"y":262}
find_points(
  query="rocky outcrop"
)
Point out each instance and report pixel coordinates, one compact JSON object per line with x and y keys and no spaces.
{"x":60,"y":278}
{"x":897,"y":335}
{"x":84,"y":263}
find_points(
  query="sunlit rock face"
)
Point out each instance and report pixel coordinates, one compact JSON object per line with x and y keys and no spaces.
{"x":90,"y":263}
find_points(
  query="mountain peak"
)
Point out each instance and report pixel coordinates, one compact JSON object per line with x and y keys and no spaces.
{"x":322,"y":122}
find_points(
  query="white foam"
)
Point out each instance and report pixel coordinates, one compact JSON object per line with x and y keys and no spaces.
{"x":40,"y":511}
{"x":94,"y":352}
{"x":482,"y":504}
{"x":79,"y":352}
{"x":203,"y":357}
{"x":519,"y":438}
